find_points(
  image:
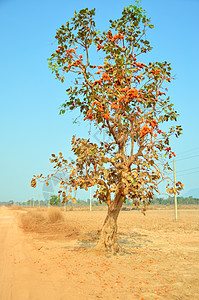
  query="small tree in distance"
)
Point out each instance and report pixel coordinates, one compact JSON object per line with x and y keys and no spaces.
{"x":54,"y":200}
{"x":125,"y":99}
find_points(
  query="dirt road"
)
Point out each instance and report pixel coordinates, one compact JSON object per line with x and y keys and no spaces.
{"x":21,"y":275}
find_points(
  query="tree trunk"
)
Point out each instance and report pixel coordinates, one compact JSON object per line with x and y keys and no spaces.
{"x":108,"y":238}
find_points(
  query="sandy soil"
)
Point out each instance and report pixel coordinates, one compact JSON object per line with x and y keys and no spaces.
{"x":160,"y":258}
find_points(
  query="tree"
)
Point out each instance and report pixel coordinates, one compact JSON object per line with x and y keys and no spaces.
{"x":10,"y":203}
{"x":125,"y":99}
{"x":54,"y":200}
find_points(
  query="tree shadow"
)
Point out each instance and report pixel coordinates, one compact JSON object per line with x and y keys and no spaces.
{"x":127,"y":241}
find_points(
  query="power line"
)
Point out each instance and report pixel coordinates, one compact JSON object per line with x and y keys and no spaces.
{"x":187,"y":157}
{"x":187,"y":170}
{"x":191,"y":150}
{"x":188,"y":173}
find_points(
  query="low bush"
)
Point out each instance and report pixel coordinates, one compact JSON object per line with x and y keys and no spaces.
{"x":54,"y":215}
{"x":32,"y":220}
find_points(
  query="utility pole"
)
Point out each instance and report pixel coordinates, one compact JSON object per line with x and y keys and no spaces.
{"x":49,"y":198}
{"x":175,"y":197}
{"x":90,"y":200}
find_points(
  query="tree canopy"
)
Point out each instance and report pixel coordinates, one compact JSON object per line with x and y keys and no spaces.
{"x":54,"y":201}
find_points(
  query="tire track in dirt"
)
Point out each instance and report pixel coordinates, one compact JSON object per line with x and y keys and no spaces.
{"x":13,"y":278}
{"x":6,"y":282}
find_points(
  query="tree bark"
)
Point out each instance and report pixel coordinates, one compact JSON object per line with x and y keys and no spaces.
{"x":108,"y":238}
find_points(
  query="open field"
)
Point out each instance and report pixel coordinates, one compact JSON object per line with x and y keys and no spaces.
{"x":48,"y":257}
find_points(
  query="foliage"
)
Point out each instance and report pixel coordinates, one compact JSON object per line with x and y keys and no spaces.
{"x":54,"y":200}
{"x":180,"y":200}
{"x":123,"y":97}
{"x":10,"y":203}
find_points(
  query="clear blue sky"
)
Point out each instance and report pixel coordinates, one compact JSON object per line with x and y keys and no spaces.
{"x":31,"y":128}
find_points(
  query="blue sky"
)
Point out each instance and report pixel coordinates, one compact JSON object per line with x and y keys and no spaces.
{"x":32,"y":129}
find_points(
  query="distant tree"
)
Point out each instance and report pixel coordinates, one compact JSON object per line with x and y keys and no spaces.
{"x":125,"y":99}
{"x":10,"y":203}
{"x":54,"y":200}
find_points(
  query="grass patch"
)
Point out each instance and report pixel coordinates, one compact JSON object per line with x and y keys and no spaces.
{"x":32,"y":220}
{"x":41,"y":220}
{"x":54,"y":215}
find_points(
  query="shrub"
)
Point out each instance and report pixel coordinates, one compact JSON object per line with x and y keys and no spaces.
{"x":32,"y":220}
{"x":54,"y":215}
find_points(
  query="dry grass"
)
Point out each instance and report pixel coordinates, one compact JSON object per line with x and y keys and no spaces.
{"x":40,"y":220}
{"x":53,"y":223}
{"x":50,"y":223}
{"x":32,"y":220}
{"x":43,"y":209}
{"x":54,"y":215}
{"x":15,"y":207}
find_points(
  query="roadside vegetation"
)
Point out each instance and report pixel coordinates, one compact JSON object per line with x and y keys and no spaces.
{"x":85,"y":203}
{"x":40,"y":219}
